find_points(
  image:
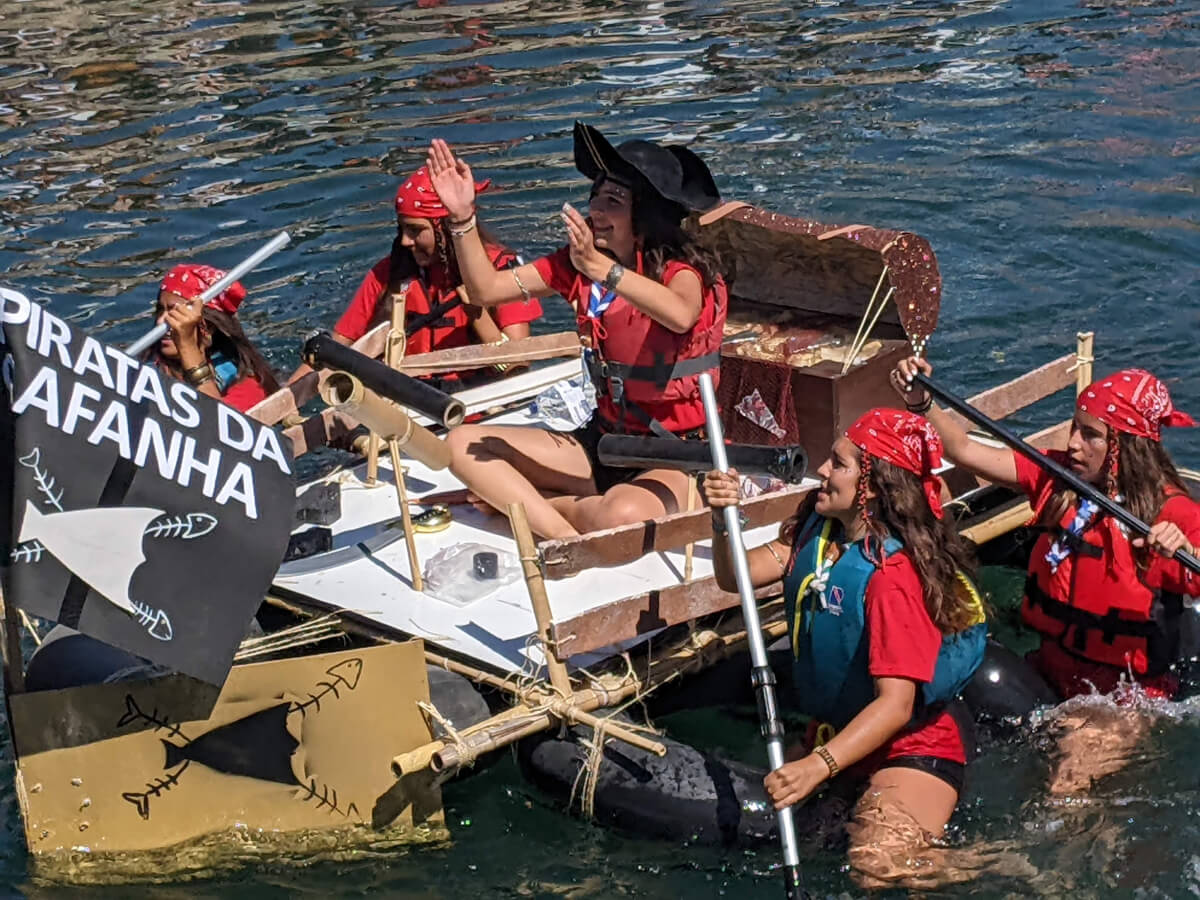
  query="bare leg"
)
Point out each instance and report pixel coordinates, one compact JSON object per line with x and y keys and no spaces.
{"x":1095,"y":742}
{"x":654,"y":493}
{"x":503,"y":464}
{"x":892,"y":834}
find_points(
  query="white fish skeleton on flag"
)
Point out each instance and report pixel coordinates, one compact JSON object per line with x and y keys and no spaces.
{"x":135,"y":509}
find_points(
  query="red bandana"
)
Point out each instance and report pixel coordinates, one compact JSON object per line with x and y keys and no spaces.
{"x":1133,"y":401}
{"x":190,"y":280}
{"x":906,"y":440}
{"x":417,"y":198}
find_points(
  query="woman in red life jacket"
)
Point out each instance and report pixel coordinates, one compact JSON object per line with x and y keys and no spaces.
{"x":1108,"y":608}
{"x":650,"y":307}
{"x":424,"y":266}
{"x":205,"y":344}
{"x":885,"y":628}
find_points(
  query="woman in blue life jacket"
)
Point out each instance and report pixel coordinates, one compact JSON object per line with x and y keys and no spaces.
{"x":886,"y":629}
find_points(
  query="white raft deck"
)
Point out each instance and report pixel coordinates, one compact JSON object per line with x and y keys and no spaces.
{"x":374,"y":582}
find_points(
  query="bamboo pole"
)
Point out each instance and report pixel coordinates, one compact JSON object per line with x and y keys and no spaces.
{"x":689,"y":552}
{"x":1084,"y":342}
{"x":536,"y":585}
{"x":1002,"y":522}
{"x":393,"y":355}
{"x":608,"y":689}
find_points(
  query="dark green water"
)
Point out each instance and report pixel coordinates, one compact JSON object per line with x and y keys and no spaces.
{"x":1049,"y":150}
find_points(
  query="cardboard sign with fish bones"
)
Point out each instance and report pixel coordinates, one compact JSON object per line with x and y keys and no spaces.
{"x":290,"y":745}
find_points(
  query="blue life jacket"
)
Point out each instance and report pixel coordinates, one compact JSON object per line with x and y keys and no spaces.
{"x":225,"y":370}
{"x":829,"y":635}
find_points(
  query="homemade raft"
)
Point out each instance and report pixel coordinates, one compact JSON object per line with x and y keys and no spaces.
{"x":570,"y":632}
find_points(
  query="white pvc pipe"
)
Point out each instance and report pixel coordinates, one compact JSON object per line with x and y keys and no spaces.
{"x":155,"y":334}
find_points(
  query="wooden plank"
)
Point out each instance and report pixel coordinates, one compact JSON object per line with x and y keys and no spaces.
{"x":288,"y":399}
{"x":476,"y":356}
{"x":1005,"y":399}
{"x":617,"y":546}
{"x":625,"y":619}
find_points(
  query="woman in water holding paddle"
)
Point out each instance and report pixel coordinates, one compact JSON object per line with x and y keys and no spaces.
{"x":650,"y":308}
{"x":423,"y":258}
{"x":886,"y":628}
{"x":1108,"y":608}
{"x":205,"y":344}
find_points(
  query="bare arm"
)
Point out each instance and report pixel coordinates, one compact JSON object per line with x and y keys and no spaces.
{"x":766,"y":562}
{"x":995,"y":464}
{"x":879,"y":721}
{"x":676,"y":306}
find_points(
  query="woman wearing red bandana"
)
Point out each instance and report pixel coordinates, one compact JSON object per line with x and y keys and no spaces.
{"x":885,"y":628}
{"x":1108,"y":608}
{"x":205,"y":344}
{"x":650,"y":308}
{"x":424,"y":259}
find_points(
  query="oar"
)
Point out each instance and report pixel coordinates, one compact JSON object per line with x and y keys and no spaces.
{"x":761,"y":675}
{"x":1066,"y":476}
{"x":155,"y":334}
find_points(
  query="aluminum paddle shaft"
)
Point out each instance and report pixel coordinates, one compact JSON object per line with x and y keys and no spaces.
{"x":761,"y":675}
{"x":155,"y":334}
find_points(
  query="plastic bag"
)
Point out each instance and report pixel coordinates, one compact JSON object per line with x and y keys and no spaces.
{"x":452,"y":575}
{"x":566,"y":405}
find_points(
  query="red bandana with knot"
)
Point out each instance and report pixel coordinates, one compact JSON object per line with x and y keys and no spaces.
{"x":906,"y":440}
{"x":1133,"y":401}
{"x":416,"y":197}
{"x":190,"y":280}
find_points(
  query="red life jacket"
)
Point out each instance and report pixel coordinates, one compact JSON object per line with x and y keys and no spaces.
{"x":453,"y":327}
{"x":1097,"y":604}
{"x":647,"y":377}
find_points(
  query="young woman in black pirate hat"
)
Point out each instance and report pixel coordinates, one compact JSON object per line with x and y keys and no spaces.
{"x":650,"y":307}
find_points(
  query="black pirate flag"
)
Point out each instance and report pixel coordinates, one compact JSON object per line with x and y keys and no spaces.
{"x":132,"y":507}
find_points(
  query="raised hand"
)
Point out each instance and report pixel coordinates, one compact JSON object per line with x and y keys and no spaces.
{"x":452,"y":180}
{"x":901,"y":380}
{"x":584,"y":256}
{"x":184,"y":320}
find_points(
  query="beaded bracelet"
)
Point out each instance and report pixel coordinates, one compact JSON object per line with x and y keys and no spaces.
{"x":467,"y":227}
{"x":824,"y":753}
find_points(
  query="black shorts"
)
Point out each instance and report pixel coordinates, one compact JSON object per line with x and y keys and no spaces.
{"x":949,"y":771}
{"x":607,"y":477}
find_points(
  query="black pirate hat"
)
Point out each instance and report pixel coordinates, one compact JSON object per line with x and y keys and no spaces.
{"x":675,"y":173}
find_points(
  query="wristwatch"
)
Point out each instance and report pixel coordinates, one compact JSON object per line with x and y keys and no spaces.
{"x":615,"y":274}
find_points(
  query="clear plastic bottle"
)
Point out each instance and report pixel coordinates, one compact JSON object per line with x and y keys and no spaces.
{"x":566,"y":405}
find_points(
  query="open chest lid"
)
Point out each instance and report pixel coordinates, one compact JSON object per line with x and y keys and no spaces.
{"x":827,"y":270}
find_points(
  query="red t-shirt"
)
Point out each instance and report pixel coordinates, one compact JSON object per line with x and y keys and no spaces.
{"x":426,"y":292}
{"x":903,"y":642}
{"x":560,"y":276}
{"x":244,"y":394}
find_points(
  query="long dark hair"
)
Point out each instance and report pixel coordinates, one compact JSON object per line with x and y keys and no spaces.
{"x":230,"y":341}
{"x":1141,"y":471}
{"x":402,"y":265}
{"x":668,"y":233}
{"x":937,"y":550}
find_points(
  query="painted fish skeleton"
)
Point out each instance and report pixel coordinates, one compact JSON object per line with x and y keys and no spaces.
{"x":103,"y":547}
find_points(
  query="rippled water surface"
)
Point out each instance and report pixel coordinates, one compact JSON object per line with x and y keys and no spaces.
{"x":1049,"y":150}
